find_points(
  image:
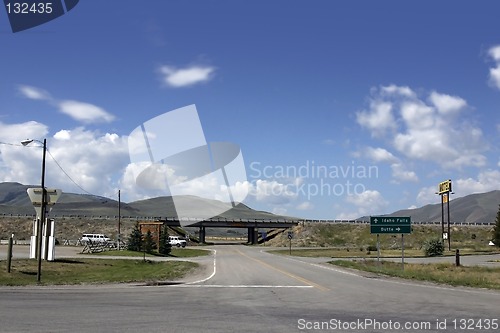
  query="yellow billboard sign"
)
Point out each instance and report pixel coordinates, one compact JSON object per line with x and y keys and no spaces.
{"x":444,"y":187}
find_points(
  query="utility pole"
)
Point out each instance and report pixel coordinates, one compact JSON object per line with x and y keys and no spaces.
{"x":119,"y":219}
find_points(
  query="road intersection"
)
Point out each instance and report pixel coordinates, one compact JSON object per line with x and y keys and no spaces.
{"x":246,"y":289}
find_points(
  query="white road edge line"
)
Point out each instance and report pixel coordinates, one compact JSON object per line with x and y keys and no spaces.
{"x":318,"y":265}
{"x":423,"y":285}
{"x":236,"y":286}
{"x":211,"y":276}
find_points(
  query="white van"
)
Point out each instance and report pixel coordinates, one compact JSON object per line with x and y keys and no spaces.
{"x":177,"y":241}
{"x":94,"y":238}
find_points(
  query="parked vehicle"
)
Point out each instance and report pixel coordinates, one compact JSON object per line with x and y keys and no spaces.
{"x":176,"y":241}
{"x":94,"y":238}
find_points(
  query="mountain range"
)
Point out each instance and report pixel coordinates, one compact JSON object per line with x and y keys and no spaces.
{"x":473,"y":208}
{"x":14,"y":200}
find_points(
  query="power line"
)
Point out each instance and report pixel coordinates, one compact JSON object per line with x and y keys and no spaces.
{"x":69,"y":177}
{"x":61,"y":168}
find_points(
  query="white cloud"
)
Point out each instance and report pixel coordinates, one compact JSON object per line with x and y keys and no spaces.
{"x":279,"y":210}
{"x":400,"y":173}
{"x":494,"y":53}
{"x":85,"y":112}
{"x":369,"y":202}
{"x":63,"y":135}
{"x":431,"y":144}
{"x":378,"y":119}
{"x":398,"y":90}
{"x":495,"y":77}
{"x":15,"y":133}
{"x":34,"y":93}
{"x":422,"y":131}
{"x":128,"y":184}
{"x":275,"y":196}
{"x":16,"y":161}
{"x":447,"y":104}
{"x":306,"y":205}
{"x":379,"y":154}
{"x":484,"y":182}
{"x":273,"y":192}
{"x":417,"y":115}
{"x":183,"y":77}
{"x":368,"y":198}
{"x":90,"y":159}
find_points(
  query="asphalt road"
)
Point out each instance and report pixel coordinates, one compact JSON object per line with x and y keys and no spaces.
{"x":244,"y":289}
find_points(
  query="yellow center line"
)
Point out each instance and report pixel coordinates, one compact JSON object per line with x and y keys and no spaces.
{"x":298,"y":278}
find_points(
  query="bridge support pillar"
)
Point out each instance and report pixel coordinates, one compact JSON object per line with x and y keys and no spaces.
{"x":202,"y":235}
{"x":253,"y":235}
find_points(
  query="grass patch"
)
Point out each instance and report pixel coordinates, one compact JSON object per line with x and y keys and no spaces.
{"x":94,"y":271}
{"x":187,"y":253}
{"x":445,"y":273}
{"x":177,"y":253}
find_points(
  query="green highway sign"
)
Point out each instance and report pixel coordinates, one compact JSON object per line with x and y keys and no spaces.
{"x":390,"y":224}
{"x":379,"y":229}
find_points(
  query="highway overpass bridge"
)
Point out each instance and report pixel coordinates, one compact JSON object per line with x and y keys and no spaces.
{"x":252,"y":225}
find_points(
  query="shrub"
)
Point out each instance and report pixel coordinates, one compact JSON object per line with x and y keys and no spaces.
{"x":165,"y":247}
{"x":148,"y":243}
{"x":496,"y":229}
{"x":433,"y":247}
{"x":135,"y":239}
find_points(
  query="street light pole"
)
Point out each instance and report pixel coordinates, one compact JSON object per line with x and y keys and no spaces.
{"x":41,"y":219}
{"x":119,"y":220}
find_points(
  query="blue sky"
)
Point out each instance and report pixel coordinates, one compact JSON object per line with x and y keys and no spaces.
{"x":341,"y":108}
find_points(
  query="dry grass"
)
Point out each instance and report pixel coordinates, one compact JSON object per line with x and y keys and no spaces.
{"x":357,"y":237}
{"x":445,"y":273}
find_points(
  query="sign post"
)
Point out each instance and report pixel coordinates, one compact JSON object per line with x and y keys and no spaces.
{"x":444,"y":190}
{"x":391,"y":225}
{"x":403,"y":251}
{"x":44,"y":247}
{"x":378,"y":248}
{"x":290,"y":236}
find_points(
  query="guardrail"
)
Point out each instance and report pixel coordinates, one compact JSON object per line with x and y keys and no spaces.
{"x":155,"y":218}
{"x":15,"y":242}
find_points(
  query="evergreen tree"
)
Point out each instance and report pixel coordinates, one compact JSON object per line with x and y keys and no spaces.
{"x":135,"y":239}
{"x":149,"y":243}
{"x":496,"y":229}
{"x":165,"y":247}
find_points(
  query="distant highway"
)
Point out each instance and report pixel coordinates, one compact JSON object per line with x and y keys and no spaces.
{"x":244,"y":289}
